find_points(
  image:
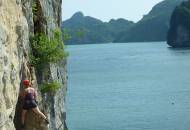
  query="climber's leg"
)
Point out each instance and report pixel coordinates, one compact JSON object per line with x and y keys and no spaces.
{"x":23,"y":116}
{"x":37,"y":111}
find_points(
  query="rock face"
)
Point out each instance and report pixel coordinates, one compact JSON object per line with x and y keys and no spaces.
{"x":179,"y":32}
{"x":17,"y":24}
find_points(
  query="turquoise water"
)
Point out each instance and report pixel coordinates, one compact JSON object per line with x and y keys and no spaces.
{"x":131,"y":86}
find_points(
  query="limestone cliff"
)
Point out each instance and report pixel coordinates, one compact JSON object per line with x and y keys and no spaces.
{"x":179,"y":32}
{"x":18,"y":23}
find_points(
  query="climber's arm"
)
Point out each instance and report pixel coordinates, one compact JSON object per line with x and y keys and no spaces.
{"x":35,"y":94}
{"x":22,"y":94}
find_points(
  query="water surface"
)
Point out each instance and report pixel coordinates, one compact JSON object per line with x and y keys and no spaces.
{"x":128,"y":86}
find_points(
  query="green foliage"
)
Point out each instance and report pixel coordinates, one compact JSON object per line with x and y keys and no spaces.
{"x":49,"y":87}
{"x":65,"y":35}
{"x":34,"y":9}
{"x":47,"y":50}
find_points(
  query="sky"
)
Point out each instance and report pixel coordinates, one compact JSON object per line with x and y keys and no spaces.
{"x":107,"y":9}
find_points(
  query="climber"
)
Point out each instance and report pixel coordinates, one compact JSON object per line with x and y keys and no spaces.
{"x":29,"y":102}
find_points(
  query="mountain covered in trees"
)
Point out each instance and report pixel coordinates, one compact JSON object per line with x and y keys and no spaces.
{"x":152,"y":27}
{"x":179,"y":32}
{"x":85,"y":29}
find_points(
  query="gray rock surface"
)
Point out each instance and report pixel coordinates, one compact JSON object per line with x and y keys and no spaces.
{"x":16,"y":27}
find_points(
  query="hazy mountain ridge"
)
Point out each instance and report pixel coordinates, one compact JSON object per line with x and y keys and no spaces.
{"x":152,"y":27}
{"x":86,"y":29}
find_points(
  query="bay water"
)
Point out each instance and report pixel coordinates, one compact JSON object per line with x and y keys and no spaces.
{"x":128,"y":86}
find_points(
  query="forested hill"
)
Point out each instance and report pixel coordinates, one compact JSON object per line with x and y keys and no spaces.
{"x":87,"y":30}
{"x":153,"y":26}
{"x":179,"y":32}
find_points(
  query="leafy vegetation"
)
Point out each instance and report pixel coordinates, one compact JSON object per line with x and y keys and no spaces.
{"x":47,"y":50}
{"x":65,"y":35}
{"x":49,"y":87}
{"x":34,"y":9}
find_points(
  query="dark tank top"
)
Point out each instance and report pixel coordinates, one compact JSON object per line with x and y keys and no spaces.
{"x":29,"y":100}
{"x":29,"y":95}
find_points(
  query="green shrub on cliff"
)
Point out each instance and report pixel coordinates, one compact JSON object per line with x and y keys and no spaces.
{"x":47,"y":50}
{"x":34,"y":10}
{"x":49,"y":87}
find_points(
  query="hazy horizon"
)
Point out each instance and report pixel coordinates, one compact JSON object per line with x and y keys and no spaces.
{"x":127,"y":9}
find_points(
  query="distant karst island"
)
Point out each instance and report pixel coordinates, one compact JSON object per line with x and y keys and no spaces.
{"x":88,"y":30}
{"x":179,"y":31}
